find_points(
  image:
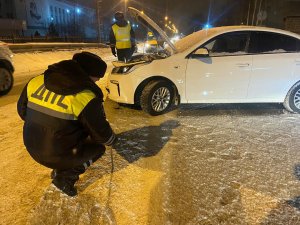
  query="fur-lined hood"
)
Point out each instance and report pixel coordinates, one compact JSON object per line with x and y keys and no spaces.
{"x":68,"y":78}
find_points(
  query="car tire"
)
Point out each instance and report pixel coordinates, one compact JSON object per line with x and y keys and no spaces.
{"x":157,"y":97}
{"x":6,"y":81}
{"x":292,"y":99}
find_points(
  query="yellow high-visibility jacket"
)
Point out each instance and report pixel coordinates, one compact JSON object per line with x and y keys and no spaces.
{"x":67,"y":107}
{"x":61,"y":108}
{"x":122,"y":35}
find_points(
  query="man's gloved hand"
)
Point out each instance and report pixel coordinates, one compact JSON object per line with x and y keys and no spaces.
{"x":113,"y":51}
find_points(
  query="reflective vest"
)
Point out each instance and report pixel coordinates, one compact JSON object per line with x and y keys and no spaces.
{"x":60,"y":106}
{"x":122,"y":35}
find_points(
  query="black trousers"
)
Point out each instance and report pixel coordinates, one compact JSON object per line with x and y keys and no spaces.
{"x":70,"y":166}
{"x":86,"y":153}
{"x":125,"y":54}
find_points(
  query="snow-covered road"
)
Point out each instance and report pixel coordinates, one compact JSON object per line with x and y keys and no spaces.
{"x":200,"y":164}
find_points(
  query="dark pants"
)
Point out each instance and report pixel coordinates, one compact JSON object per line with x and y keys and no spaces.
{"x":88,"y":153}
{"x":125,"y":54}
{"x":70,"y":166}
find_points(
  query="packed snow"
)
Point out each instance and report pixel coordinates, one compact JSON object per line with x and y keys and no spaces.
{"x":198,"y":164}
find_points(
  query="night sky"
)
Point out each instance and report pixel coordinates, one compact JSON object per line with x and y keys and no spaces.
{"x":187,"y":15}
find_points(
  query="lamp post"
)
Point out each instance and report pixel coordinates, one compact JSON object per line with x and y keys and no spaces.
{"x":125,"y":7}
{"x":99,"y":19}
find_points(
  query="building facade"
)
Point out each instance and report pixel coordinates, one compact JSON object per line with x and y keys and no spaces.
{"x":47,"y":17}
{"x":283,"y":14}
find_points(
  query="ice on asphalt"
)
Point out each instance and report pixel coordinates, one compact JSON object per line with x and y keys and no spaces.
{"x":198,"y":164}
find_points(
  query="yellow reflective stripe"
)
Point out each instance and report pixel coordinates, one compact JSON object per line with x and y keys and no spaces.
{"x":122,"y":35}
{"x":81,"y":100}
{"x":48,"y":101}
{"x":125,"y":39}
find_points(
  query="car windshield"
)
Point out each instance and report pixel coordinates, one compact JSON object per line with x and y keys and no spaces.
{"x":192,"y":39}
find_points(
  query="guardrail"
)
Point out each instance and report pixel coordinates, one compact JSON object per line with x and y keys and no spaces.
{"x":32,"y":47}
{"x":25,"y":39}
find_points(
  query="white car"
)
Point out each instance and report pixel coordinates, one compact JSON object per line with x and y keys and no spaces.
{"x":235,"y":64}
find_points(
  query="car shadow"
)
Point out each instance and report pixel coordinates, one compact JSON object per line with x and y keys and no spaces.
{"x":250,"y":109}
{"x":295,"y":202}
{"x":136,"y":107}
{"x":145,"y":141}
{"x":286,"y":211}
{"x":139,"y":108}
{"x":204,"y":109}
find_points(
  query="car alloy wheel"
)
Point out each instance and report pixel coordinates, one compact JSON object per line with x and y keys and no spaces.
{"x":161,"y":99}
{"x":157,"y":97}
{"x":297,"y":99}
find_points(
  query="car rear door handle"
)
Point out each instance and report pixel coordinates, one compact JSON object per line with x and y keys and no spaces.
{"x":243,"y":64}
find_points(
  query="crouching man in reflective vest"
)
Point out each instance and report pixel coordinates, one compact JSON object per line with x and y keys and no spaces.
{"x":65,"y":125}
{"x":122,"y":38}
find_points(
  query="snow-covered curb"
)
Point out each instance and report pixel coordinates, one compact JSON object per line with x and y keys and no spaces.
{"x":29,"y":62}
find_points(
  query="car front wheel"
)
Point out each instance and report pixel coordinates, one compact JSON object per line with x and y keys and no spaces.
{"x":157,"y":97}
{"x":6,"y":81}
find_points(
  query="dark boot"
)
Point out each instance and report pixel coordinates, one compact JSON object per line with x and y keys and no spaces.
{"x":64,"y":180}
{"x":66,"y":185}
{"x":53,"y":174}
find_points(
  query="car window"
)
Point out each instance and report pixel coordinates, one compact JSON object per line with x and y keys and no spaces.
{"x":268,"y":43}
{"x":233,"y":43}
{"x":194,"y":38}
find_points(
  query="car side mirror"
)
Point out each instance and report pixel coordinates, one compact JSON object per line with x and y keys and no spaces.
{"x":201,"y":52}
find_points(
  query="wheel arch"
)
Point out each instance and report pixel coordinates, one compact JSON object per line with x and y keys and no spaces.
{"x":291,"y":88}
{"x":286,"y":101}
{"x":143,"y":84}
{"x":7,"y":64}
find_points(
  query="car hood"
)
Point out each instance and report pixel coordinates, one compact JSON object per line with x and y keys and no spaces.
{"x":149,"y":23}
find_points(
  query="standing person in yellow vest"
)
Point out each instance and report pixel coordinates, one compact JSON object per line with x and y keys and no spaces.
{"x":122,"y":38}
{"x":65,"y":125}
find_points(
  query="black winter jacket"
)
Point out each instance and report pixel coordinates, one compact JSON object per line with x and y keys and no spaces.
{"x":50,"y":137}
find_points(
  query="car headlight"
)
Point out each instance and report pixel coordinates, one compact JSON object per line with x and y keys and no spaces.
{"x":127,"y":69}
{"x":122,"y":69}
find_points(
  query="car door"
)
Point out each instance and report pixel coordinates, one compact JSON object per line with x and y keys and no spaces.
{"x":274,"y":64}
{"x":224,"y":75}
